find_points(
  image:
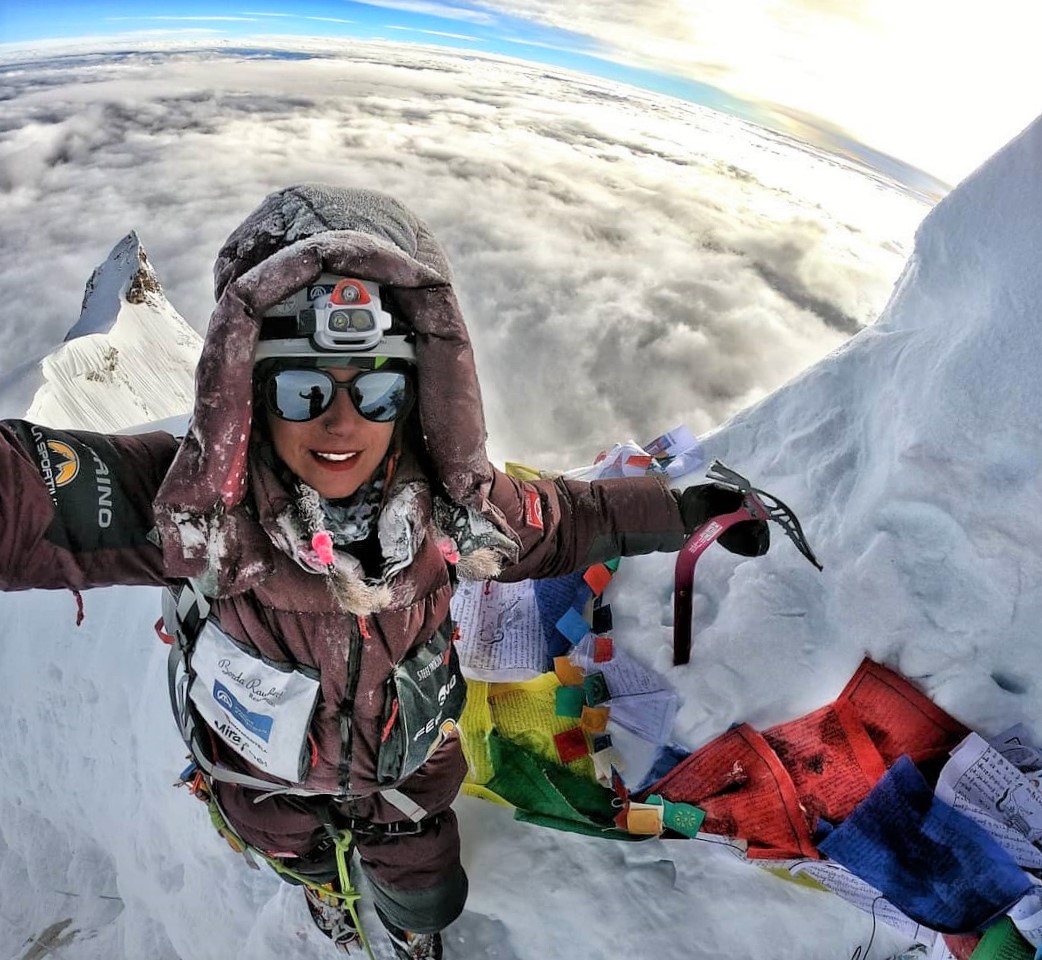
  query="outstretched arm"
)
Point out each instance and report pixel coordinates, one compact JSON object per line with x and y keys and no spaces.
{"x":565,"y":525}
{"x":76,"y":507}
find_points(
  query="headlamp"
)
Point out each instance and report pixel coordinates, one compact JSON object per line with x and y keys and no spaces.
{"x":336,"y":315}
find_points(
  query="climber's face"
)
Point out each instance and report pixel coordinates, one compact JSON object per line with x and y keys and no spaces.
{"x":339,"y":450}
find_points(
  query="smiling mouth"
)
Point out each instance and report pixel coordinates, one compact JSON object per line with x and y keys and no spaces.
{"x":334,"y":457}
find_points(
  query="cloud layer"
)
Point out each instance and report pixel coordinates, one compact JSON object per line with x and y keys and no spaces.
{"x":625,"y":262}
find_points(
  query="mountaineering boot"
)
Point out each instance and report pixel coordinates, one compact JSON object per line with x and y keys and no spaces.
{"x":413,"y":946}
{"x":332,"y":918}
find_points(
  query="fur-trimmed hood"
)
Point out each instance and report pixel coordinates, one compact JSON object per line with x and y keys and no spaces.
{"x":292,"y":238}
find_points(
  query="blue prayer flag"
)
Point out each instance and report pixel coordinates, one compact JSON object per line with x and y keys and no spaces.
{"x":553,"y":597}
{"x":924,"y":856}
{"x":573,"y":626}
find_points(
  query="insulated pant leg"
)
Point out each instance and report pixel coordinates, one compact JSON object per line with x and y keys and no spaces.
{"x":277,"y":826}
{"x":417,"y":880}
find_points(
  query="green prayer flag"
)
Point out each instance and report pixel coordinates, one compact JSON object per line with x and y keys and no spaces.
{"x":550,"y":795}
{"x":683,"y":818}
{"x":569,"y":701}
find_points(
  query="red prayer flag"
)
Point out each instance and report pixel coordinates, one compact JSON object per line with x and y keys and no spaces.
{"x":745,"y":792}
{"x":831,"y":759}
{"x":571,"y":745}
{"x":597,"y":578}
{"x":898,"y":717}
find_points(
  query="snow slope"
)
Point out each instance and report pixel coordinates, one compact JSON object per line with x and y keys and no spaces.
{"x":912,"y":456}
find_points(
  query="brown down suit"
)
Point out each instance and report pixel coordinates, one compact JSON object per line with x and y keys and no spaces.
{"x":220,"y":514}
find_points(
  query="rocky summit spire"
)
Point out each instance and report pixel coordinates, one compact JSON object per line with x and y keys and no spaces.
{"x":127,"y":276}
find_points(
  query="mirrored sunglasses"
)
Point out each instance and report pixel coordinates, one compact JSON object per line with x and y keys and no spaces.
{"x":299,"y":395}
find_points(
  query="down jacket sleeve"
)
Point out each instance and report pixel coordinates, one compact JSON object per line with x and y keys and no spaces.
{"x":76,"y":507}
{"x":565,"y":525}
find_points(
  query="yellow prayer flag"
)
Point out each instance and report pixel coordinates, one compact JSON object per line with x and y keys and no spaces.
{"x":475,"y":725}
{"x":526,"y":714}
{"x":520,"y":472}
{"x":644,"y":819}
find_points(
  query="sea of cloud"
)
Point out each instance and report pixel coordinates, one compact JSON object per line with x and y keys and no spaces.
{"x":604,"y":239}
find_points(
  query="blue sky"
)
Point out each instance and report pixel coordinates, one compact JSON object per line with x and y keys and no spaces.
{"x":457,"y":25}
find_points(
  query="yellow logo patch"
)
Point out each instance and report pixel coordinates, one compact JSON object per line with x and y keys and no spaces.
{"x":66,"y":465}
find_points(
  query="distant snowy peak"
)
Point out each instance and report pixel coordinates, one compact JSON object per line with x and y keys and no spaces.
{"x":127,"y":275}
{"x":130,"y":358}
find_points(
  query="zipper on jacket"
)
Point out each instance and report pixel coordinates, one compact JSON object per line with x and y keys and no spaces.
{"x":347,"y":705}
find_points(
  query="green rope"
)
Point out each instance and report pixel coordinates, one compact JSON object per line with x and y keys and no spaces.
{"x":342,"y":843}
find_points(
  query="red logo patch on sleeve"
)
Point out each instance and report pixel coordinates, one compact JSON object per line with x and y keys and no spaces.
{"x":533,"y":508}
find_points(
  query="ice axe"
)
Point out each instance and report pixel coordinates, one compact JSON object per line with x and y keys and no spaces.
{"x":756,"y":505}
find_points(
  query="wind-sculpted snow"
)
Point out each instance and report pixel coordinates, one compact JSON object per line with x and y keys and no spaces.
{"x":917,"y":450}
{"x":912,"y":457}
